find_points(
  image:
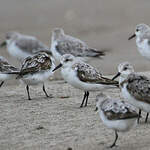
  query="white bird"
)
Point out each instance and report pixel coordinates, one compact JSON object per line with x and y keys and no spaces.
{"x":116,"y":114}
{"x":83,"y":76}
{"x":21,"y":46}
{"x":134,"y":87}
{"x":5,"y":69}
{"x":65,"y":44}
{"x":36,"y":70}
{"x":142,"y":34}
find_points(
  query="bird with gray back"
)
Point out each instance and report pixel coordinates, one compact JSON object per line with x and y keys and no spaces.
{"x":135,"y":88}
{"x":21,"y":46}
{"x":116,"y":114}
{"x":62,"y":43}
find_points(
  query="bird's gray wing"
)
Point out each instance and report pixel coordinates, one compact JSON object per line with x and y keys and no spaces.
{"x":118,"y":110}
{"x":146,"y":36}
{"x":30,"y":45}
{"x":76,"y":47}
{"x":139,"y":87}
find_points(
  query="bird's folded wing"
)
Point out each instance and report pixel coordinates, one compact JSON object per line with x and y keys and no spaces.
{"x":139,"y":87}
{"x":120,"y":116}
{"x":117,"y":110}
{"x":30,"y":45}
{"x":76,"y":47}
{"x":39,"y":62}
{"x":67,"y":46}
{"x":6,"y":67}
{"x":87,"y":73}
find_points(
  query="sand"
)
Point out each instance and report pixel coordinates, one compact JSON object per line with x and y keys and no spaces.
{"x":58,"y":123}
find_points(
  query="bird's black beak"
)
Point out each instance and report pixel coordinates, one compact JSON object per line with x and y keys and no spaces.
{"x":117,"y":75}
{"x":96,"y":109}
{"x":131,"y":37}
{"x":3,"y":44}
{"x":57,"y":67}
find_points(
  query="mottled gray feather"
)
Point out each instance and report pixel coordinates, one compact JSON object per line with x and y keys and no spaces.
{"x":117,"y":110}
{"x":87,"y":73}
{"x":37,"y":63}
{"x":70,"y":45}
{"x":139,"y":87}
{"x":5,"y":67}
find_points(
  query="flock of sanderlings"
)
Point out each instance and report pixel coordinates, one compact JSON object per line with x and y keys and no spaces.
{"x":38,"y":64}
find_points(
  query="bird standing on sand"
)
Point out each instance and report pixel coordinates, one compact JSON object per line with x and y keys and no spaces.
{"x":116,"y":114}
{"x":83,"y":76}
{"x":135,"y":88}
{"x":36,"y":69}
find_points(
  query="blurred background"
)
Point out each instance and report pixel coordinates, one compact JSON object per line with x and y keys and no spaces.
{"x":103,"y":24}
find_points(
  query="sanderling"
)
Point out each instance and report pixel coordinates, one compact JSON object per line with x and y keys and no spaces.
{"x":5,"y":70}
{"x":64,"y":44}
{"x":83,"y":76}
{"x":36,"y":69}
{"x":22,"y":46}
{"x":116,"y":114}
{"x":142,"y":34}
{"x":134,"y":87}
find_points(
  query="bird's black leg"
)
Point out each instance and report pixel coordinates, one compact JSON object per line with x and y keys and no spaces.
{"x":27,"y":87}
{"x":116,"y":137}
{"x":83,"y":99}
{"x":146,"y":117}
{"x":1,"y":83}
{"x":45,"y":91}
{"x":87,"y":96}
{"x":138,"y":120}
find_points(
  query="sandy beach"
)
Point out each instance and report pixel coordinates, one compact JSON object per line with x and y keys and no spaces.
{"x":58,"y":123}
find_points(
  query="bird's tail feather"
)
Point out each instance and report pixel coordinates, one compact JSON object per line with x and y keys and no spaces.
{"x":15,"y":72}
{"x":96,"y":53}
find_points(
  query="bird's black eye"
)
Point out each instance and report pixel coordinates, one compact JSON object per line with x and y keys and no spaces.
{"x":137,"y":30}
{"x":67,"y":60}
{"x":125,"y":68}
{"x":7,"y":37}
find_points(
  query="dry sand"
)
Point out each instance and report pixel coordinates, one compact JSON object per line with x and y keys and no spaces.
{"x":59,"y":123}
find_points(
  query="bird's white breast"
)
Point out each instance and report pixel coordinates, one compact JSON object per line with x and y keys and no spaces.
{"x":143,"y":48}
{"x":15,"y":51}
{"x":54,"y":51}
{"x":34,"y":79}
